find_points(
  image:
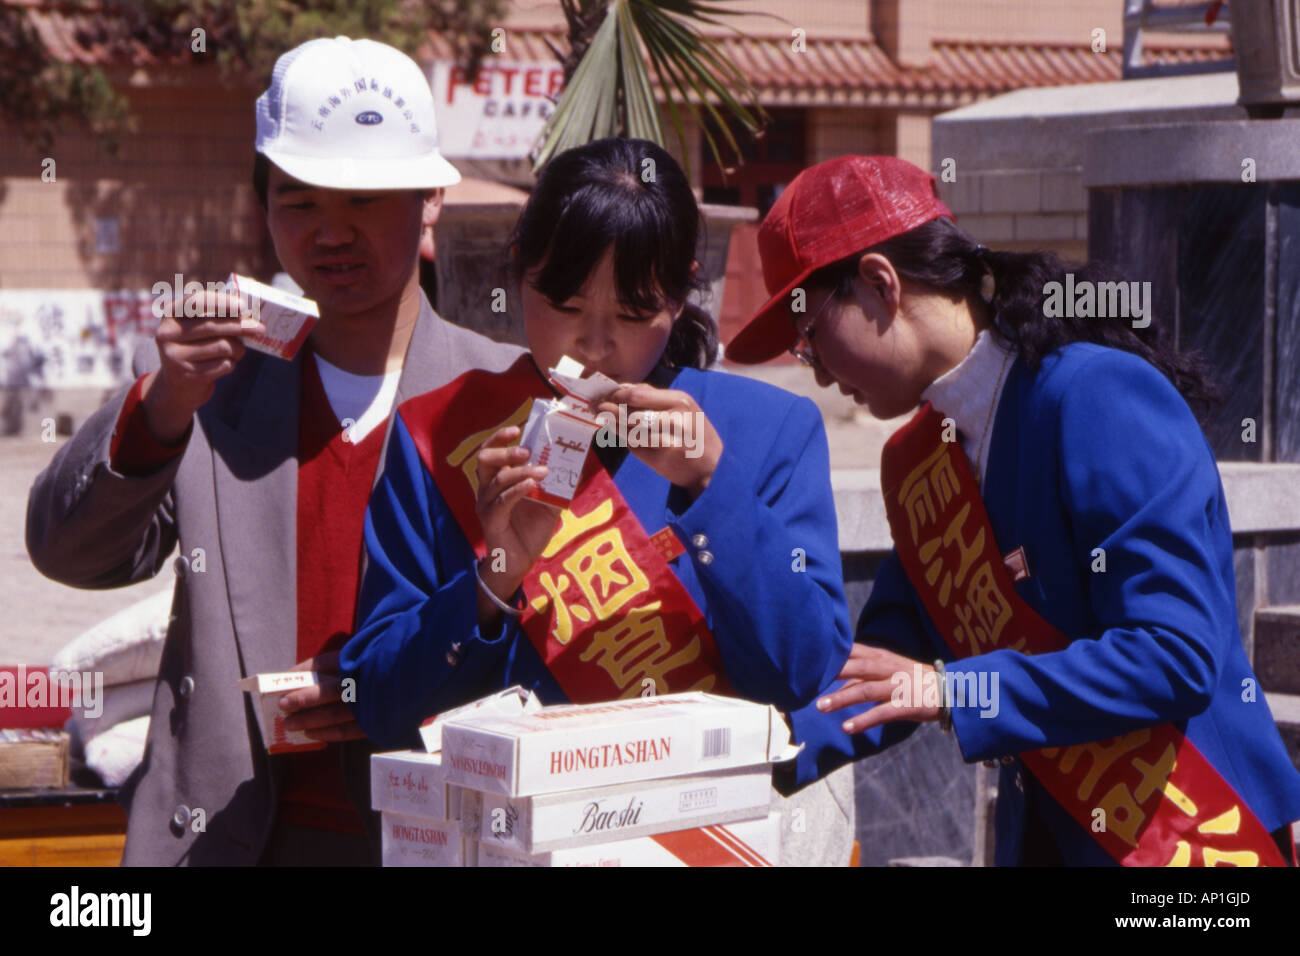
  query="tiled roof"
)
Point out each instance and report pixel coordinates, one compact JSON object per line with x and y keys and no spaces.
{"x":80,"y":33}
{"x":832,"y":71}
{"x":858,"y":71}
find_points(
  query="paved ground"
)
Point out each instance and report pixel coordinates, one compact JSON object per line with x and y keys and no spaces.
{"x":38,"y":616}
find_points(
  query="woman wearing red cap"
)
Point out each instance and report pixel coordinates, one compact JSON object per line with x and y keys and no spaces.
{"x":1061,"y":594}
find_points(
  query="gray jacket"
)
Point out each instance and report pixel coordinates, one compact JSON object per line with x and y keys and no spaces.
{"x":232,"y":493}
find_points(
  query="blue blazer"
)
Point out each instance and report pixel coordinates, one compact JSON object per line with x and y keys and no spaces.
{"x":1096,"y":450}
{"x":762,"y":563}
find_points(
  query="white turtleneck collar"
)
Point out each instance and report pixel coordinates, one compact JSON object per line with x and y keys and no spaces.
{"x":969,"y":394}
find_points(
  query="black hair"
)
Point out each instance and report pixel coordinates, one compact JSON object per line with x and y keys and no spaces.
{"x":632,"y":195}
{"x":261,"y":176}
{"x":939,"y":255}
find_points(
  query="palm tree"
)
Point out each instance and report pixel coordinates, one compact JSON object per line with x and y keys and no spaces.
{"x":607,"y":88}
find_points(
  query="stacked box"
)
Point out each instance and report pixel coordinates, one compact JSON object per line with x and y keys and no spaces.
{"x":675,"y":780}
{"x":419,"y":810}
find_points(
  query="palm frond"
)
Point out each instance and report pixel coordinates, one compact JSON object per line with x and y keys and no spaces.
{"x":610,"y":93}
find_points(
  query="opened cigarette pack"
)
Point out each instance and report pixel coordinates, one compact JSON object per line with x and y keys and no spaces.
{"x":288,"y":318}
{"x":512,"y":700}
{"x":576,"y":746}
{"x":267,"y":689}
{"x":413,"y":783}
{"x":572,"y":818}
{"x":559,"y":431}
{"x":747,"y":843}
{"x":418,"y":841}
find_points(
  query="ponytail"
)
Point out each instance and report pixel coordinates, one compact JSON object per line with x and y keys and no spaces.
{"x":693,"y":342}
{"x":939,"y":255}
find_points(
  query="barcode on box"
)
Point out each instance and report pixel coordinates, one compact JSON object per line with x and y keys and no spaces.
{"x":717,"y":743}
{"x":701,"y":799}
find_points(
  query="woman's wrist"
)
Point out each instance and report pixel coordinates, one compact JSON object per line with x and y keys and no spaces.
{"x":499,"y":588}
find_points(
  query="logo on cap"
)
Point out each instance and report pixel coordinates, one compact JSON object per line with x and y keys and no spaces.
{"x":369,"y":118}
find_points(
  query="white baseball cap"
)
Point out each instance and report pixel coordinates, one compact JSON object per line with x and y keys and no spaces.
{"x":352,"y":114}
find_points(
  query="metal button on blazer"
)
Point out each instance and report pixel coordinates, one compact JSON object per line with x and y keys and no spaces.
{"x":705,"y":557}
{"x":181,"y":818}
{"x":700,"y":541}
{"x":186,"y":686}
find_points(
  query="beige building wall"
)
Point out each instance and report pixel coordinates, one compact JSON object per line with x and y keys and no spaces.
{"x":179,"y":192}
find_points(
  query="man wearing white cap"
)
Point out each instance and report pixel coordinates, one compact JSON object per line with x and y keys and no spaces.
{"x":260,"y":469}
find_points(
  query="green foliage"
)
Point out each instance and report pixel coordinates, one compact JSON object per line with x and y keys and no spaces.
{"x":608,"y":90}
{"x":242,"y":38}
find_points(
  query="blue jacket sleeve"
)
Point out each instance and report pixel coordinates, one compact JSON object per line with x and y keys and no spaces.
{"x":1139,"y":482}
{"x":773,"y":578}
{"x":418,"y":596}
{"x":888,"y":620}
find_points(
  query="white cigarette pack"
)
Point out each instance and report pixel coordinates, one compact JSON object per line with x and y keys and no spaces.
{"x":288,"y":318}
{"x":748,"y":843}
{"x":576,"y":746}
{"x":413,"y":783}
{"x":267,"y":689}
{"x":559,"y":432}
{"x":417,"y":841}
{"x":512,"y":700}
{"x":572,"y":818}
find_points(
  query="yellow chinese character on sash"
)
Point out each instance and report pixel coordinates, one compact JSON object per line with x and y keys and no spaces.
{"x":967,"y":555}
{"x":465,"y":455}
{"x":985,"y":613}
{"x":915,"y":495}
{"x":606,"y":573}
{"x":1102,"y":755}
{"x":563,"y":630}
{"x":637,"y":647}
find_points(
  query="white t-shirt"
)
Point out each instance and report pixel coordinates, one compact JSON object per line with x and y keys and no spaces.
{"x":361,"y":402}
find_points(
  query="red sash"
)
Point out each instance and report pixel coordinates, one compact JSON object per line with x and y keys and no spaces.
{"x":604,"y":610}
{"x":1149,"y":798}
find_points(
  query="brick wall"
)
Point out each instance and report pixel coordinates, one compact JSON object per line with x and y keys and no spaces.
{"x":178,"y":190}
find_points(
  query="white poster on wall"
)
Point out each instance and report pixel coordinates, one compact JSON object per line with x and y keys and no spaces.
{"x":498,"y":115}
{"x":63,"y":338}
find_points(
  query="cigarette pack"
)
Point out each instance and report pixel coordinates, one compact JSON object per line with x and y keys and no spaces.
{"x":572,"y":818}
{"x":512,"y":700}
{"x":576,"y":746}
{"x":288,"y":318}
{"x":413,"y":783}
{"x":267,"y":689}
{"x":559,"y":432}
{"x":748,"y":843}
{"x":417,"y":841}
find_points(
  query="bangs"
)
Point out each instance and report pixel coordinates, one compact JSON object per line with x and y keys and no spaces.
{"x":643,"y":240}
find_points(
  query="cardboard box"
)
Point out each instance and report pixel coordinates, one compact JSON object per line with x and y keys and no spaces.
{"x":512,"y":700}
{"x":288,"y":318}
{"x":749,"y":843}
{"x":572,"y":818}
{"x":267,"y":689}
{"x":413,"y":783}
{"x":573,"y":747}
{"x":417,"y":841}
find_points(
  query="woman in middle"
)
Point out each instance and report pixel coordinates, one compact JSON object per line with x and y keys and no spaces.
{"x":710,"y":562}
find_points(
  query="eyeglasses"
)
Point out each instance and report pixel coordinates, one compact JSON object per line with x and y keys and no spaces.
{"x":802,"y":348}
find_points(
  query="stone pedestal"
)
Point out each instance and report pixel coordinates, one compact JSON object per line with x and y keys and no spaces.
{"x":1209,"y":213}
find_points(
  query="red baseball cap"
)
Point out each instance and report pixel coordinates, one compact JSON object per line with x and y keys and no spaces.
{"x":831,"y":210}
